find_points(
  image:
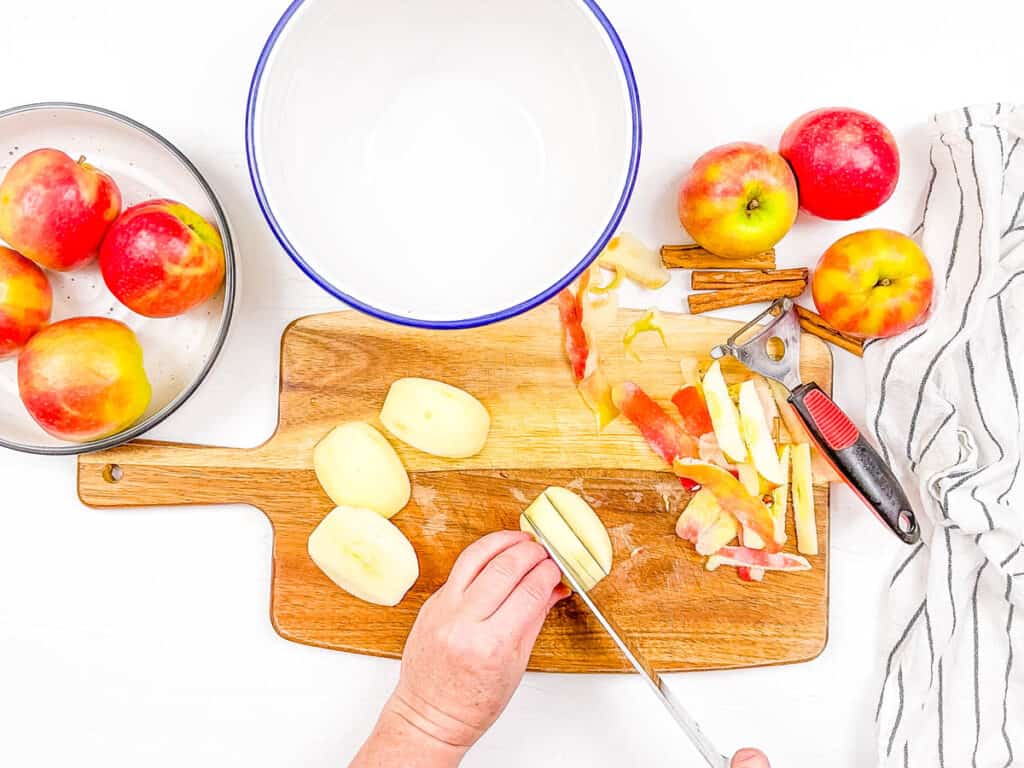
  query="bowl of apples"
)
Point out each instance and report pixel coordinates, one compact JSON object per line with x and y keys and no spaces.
{"x":117,"y":278}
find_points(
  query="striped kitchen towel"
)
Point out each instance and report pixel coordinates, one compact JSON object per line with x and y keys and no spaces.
{"x":944,"y":403}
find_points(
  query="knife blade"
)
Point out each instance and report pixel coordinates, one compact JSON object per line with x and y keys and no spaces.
{"x":635,"y":657}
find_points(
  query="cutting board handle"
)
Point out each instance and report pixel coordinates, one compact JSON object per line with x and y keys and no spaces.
{"x":150,"y":473}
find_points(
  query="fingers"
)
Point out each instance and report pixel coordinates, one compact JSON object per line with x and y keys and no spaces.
{"x":478,"y":554}
{"x":501,"y":576}
{"x":523,"y":612}
{"x":749,"y":758}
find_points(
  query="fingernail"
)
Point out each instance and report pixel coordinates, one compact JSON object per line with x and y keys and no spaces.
{"x":748,"y":758}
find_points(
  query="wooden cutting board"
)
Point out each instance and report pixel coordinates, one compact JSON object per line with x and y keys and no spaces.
{"x":337,"y":367}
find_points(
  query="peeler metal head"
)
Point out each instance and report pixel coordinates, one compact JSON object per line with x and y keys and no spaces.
{"x":772,"y":350}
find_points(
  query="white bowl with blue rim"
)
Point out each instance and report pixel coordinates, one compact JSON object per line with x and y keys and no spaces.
{"x":443,"y":164}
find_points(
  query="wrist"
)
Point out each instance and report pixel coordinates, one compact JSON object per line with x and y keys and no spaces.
{"x":403,"y":738}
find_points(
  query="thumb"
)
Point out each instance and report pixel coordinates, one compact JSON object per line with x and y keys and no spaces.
{"x":749,"y":758}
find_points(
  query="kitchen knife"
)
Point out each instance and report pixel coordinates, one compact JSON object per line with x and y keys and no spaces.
{"x":634,"y":656}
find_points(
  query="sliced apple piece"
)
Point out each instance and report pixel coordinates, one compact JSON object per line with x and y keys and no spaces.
{"x":436,"y":418}
{"x":752,"y":483}
{"x":803,"y":501}
{"x":780,"y":497}
{"x":365,"y":555}
{"x":743,"y":557}
{"x":574,"y":531}
{"x":757,"y":433}
{"x":357,"y":467}
{"x":724,"y":416}
{"x":708,"y":450}
{"x":649,"y":323}
{"x":626,"y":254}
{"x":732,"y":497}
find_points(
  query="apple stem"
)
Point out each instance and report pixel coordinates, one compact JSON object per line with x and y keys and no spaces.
{"x":753,"y":205}
{"x":885,"y":281}
{"x":81,"y":159}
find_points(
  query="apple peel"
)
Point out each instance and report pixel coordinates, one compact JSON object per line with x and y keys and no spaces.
{"x":743,"y":557}
{"x":664,"y":436}
{"x":732,"y":497}
{"x":626,"y":254}
{"x":649,"y":323}
{"x":693,"y":410}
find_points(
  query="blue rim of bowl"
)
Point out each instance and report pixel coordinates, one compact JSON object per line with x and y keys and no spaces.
{"x":230,"y":276}
{"x":472,"y":322}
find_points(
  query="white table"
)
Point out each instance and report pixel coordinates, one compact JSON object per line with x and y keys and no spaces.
{"x":141,"y":638}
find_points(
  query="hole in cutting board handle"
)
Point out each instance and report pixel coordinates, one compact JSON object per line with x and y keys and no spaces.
{"x":113,"y":473}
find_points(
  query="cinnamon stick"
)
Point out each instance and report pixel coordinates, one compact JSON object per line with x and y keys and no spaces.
{"x":712,"y":279}
{"x":692,"y":256}
{"x":744,"y":294}
{"x":815,"y":325}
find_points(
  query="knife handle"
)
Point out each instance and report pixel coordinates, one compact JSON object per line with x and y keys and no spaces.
{"x":856,"y":460}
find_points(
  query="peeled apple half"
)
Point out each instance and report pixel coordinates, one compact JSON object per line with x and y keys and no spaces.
{"x":357,"y":467}
{"x":365,"y":555}
{"x":436,"y":418}
{"x":574,"y":531}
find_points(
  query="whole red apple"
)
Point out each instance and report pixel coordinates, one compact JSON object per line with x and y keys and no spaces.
{"x":872,"y":283}
{"x":25,"y":301}
{"x":83,"y":378}
{"x":54,"y":210}
{"x":846,"y":162}
{"x":738,"y":200}
{"x":161,"y":258}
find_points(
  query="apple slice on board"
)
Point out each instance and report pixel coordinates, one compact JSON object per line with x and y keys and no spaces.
{"x":724,"y":416}
{"x":780,"y":497}
{"x":435,"y":418}
{"x":365,"y":555}
{"x":575,"y":532}
{"x":757,"y":434}
{"x":803,"y":501}
{"x":749,"y":478}
{"x":357,"y":467}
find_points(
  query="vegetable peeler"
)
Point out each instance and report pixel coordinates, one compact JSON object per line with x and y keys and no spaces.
{"x":774,"y":351}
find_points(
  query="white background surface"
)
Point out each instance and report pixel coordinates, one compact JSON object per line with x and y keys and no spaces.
{"x":141,"y":638}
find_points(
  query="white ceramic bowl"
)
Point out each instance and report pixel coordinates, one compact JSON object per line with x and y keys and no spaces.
{"x":177,"y":351}
{"x":443,"y":164}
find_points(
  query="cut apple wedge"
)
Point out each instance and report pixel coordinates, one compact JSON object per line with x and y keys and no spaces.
{"x":724,"y":416}
{"x":803,"y":501}
{"x":732,"y":497}
{"x":757,"y":433}
{"x":780,"y":497}
{"x":752,"y":483}
{"x":708,"y":450}
{"x":357,"y":467}
{"x":365,"y":555}
{"x":574,"y":531}
{"x":704,"y":524}
{"x":627,"y":255}
{"x":743,"y":557}
{"x":436,"y":418}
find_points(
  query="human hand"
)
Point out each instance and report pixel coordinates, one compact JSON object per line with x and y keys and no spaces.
{"x":468,"y":649}
{"x":749,"y":758}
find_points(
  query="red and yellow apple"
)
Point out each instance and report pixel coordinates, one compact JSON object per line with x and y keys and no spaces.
{"x":846,"y":162}
{"x":873,"y":283}
{"x":83,"y":379}
{"x":25,"y":301}
{"x":55,"y":211}
{"x":161,"y":258}
{"x":738,"y":200}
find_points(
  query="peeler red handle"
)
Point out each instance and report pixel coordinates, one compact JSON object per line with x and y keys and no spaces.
{"x":856,"y":460}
